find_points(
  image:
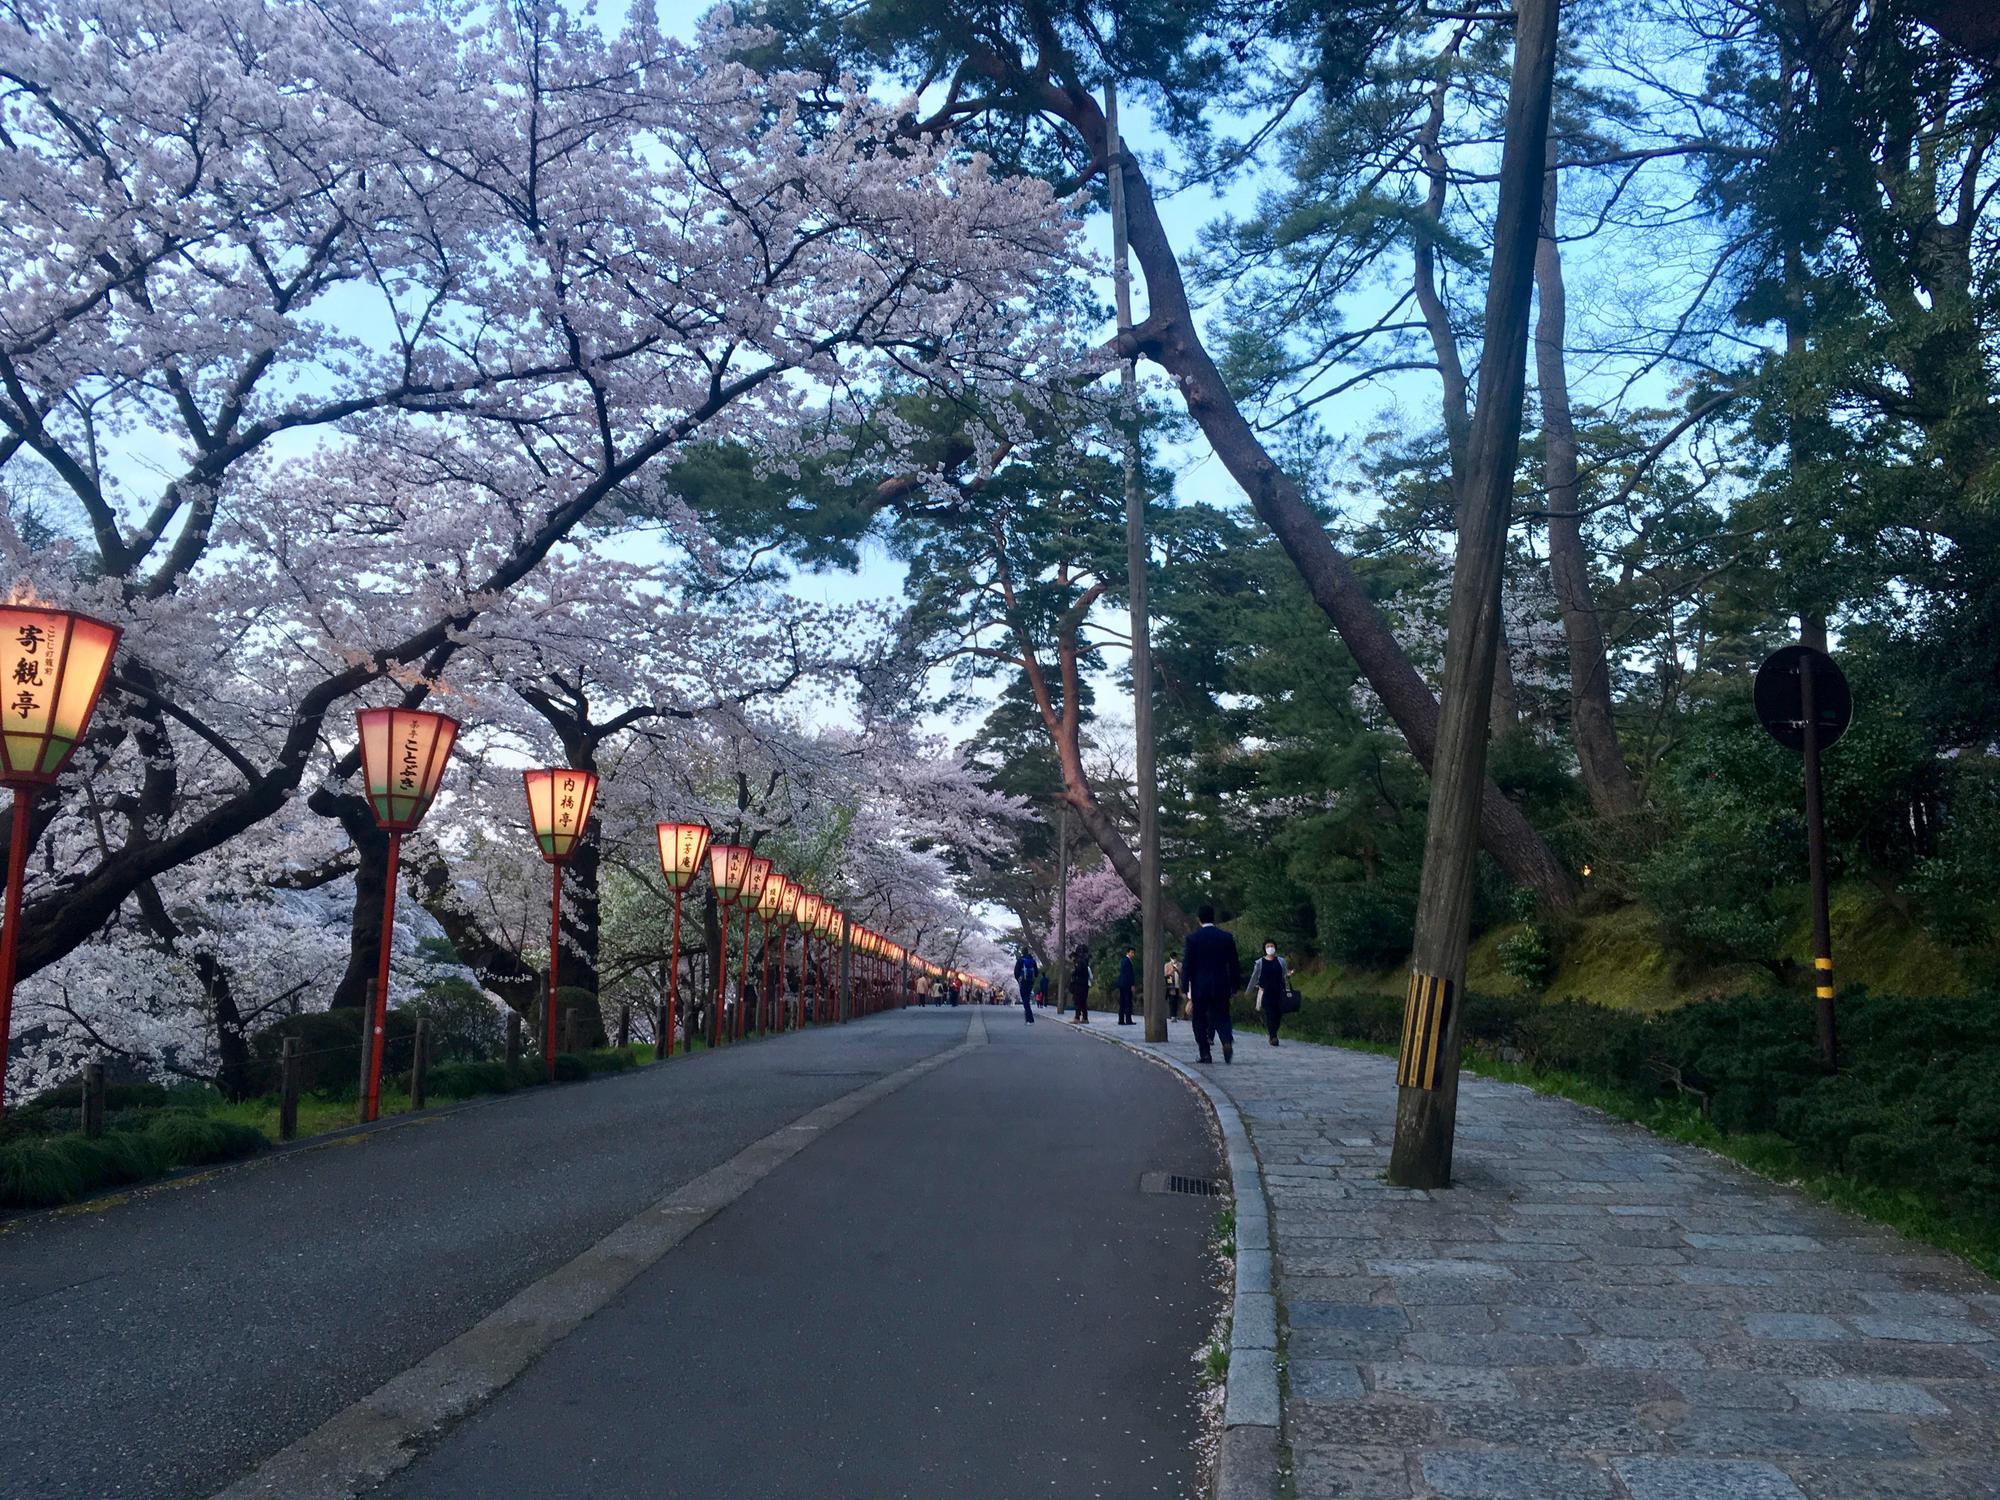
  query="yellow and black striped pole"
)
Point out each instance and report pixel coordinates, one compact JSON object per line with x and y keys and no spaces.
{"x":1829,"y":1042}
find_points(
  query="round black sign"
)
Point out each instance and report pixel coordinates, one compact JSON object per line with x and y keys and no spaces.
{"x":1779,"y":694}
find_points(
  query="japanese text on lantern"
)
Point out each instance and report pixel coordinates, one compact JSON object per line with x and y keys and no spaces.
{"x":31,"y":671}
{"x":412,"y":762}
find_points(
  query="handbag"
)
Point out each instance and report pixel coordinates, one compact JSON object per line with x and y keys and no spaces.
{"x":1293,"y":1000}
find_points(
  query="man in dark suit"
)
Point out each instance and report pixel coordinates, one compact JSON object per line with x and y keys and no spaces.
{"x":1212,"y":973}
{"x":1128,"y":976}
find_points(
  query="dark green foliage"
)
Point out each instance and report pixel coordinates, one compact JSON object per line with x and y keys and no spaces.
{"x":331,"y":1046}
{"x":1915,"y":1108}
{"x":1528,"y":956}
{"x":68,"y":1095}
{"x":1367,"y":925}
{"x":37,"y":1172}
{"x":466,"y":1080}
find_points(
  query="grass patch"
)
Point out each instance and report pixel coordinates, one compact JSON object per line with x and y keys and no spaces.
{"x":42,"y":1171}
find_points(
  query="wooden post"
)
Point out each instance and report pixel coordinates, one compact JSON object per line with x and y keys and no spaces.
{"x":93,"y":1098}
{"x":1829,"y":1038}
{"x":1427,"y":1069}
{"x":569,"y":1029}
{"x":420,"y":1063}
{"x":367,"y":1044}
{"x":513,"y":1037}
{"x":289,"y":1069}
{"x":1152,"y":936}
{"x":624,"y":1027}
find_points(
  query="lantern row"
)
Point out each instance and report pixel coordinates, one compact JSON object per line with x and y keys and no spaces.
{"x":56,"y":663}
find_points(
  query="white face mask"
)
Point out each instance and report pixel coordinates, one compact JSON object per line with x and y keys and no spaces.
{"x":1269,"y":951}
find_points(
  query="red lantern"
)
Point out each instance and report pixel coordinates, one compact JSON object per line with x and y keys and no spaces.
{"x":756,"y":875}
{"x":682,"y":847}
{"x":727,"y":865}
{"x":558,"y":808}
{"x":55,"y":663}
{"x":403,"y":756}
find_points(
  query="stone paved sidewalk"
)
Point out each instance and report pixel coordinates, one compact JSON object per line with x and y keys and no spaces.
{"x":1593,"y":1312}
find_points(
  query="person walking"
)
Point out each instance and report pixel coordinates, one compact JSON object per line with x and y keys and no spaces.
{"x":1042,"y":989}
{"x":1079,"y":986}
{"x":951,"y":991}
{"x":1127,"y":976}
{"x":1213,"y":973}
{"x":1268,"y":982}
{"x":1174,"y":991}
{"x":1024,"y":975}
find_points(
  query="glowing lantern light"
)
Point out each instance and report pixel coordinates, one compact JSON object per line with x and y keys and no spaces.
{"x":559,"y":802}
{"x":682,"y":847}
{"x":55,"y":663}
{"x":756,"y":875}
{"x":403,"y":756}
{"x":727,"y":865}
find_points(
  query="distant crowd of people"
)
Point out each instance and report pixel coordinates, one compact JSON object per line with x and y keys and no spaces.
{"x":1201,"y":984}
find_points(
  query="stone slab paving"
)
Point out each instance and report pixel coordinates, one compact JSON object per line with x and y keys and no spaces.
{"x":1595,"y":1312}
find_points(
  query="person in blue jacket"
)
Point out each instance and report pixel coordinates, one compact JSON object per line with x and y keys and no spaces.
{"x":1212,"y":973}
{"x":1024,"y":972}
{"x":1128,"y":975}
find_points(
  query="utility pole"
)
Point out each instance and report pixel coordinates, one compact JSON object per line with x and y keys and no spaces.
{"x":1152,"y":940}
{"x":1427,"y":1068}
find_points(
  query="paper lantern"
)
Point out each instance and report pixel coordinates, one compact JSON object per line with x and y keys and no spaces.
{"x":558,"y":807}
{"x":756,"y":875}
{"x":56,"y":662}
{"x":403,"y":755}
{"x":682,"y":847}
{"x":727,"y":865}
{"x":772,"y":901}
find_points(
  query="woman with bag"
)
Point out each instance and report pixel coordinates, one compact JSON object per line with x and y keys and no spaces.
{"x":1268,"y":982}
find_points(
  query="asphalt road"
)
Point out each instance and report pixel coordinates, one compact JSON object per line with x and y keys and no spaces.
{"x":959,"y":1290}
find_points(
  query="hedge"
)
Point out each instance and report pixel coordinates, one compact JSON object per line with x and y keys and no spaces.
{"x":37,"y":1171}
{"x":1914,"y":1107}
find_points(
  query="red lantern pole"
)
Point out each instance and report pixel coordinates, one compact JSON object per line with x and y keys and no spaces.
{"x":10,"y":934}
{"x":665,"y":1047}
{"x":403,"y":755}
{"x":380,"y":1019}
{"x":555,"y":946}
{"x":721,"y":980}
{"x":55,"y":663}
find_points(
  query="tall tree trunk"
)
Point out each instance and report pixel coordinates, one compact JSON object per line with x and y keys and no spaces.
{"x":499,"y":966}
{"x":1170,"y":338}
{"x":1606,"y":778}
{"x":371,"y":883}
{"x":1427,"y":1072}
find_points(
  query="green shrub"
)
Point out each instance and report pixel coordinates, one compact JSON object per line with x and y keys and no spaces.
{"x":69,"y":1095}
{"x":1915,"y":1108}
{"x":1528,"y":957}
{"x":330,"y":1044}
{"x":465,"y":1080}
{"x":571,"y":1068}
{"x":1365,"y":923}
{"x":36,"y":1173}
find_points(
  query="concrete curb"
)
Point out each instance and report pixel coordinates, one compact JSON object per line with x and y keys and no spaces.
{"x":1246,"y":1462}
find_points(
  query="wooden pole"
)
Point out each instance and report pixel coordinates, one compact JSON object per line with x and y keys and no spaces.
{"x":1145,"y":771}
{"x":420,"y":1064}
{"x":93,"y":1099}
{"x":1427,"y":1069}
{"x":513,"y":1038}
{"x":289,"y":1068}
{"x":1829,"y":1038}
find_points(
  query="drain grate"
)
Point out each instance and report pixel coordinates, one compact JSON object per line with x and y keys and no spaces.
{"x":1174,"y":1182}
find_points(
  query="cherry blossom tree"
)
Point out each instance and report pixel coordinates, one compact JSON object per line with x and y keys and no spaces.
{"x":335,"y":324}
